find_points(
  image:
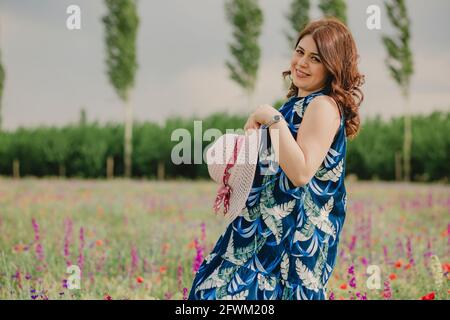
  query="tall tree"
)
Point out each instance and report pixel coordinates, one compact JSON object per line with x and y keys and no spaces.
{"x":2,"y":81}
{"x":247,"y":19}
{"x":298,"y":18}
{"x":401,"y":67}
{"x":334,"y":8}
{"x":121,"y":24}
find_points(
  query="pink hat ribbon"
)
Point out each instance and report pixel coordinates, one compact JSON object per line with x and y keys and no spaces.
{"x":224,"y":192}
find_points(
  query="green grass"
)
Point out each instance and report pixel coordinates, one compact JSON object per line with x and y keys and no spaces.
{"x":162,"y":219}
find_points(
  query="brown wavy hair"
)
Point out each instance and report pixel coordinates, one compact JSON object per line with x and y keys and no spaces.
{"x":338,"y":53}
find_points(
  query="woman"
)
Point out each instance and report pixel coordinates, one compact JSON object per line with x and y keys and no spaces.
{"x":284,"y":244}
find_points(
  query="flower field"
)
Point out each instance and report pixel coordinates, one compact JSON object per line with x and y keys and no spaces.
{"x":145,"y":239}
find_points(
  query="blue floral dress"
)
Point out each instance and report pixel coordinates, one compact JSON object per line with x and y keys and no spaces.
{"x":284,"y":243}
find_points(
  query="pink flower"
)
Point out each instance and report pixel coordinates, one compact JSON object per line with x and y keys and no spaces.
{"x":180,"y":275}
{"x":81,"y":256}
{"x":203,"y":226}
{"x":387,"y":292}
{"x":67,"y":239}
{"x":352,"y":244}
{"x":36,"y":229}
{"x":198,"y":257}
{"x":134,"y":259}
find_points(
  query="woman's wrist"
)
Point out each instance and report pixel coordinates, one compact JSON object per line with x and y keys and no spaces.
{"x":266,"y":114}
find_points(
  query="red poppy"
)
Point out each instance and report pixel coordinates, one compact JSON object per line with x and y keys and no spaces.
{"x":107,"y":297}
{"x":392,"y":276}
{"x":446,"y":267}
{"x":398,"y":264}
{"x":139,"y":279}
{"x":343,"y":286}
{"x":162,"y":269}
{"x":429,"y":296}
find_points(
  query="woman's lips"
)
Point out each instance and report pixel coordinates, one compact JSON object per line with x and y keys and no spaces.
{"x":301,"y":74}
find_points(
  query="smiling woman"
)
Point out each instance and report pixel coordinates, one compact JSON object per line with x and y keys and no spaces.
{"x":284,"y":243}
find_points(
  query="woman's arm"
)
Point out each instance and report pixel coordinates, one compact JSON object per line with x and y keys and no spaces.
{"x":301,"y":158}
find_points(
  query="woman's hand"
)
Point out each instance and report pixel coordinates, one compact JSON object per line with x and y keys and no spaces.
{"x":263,"y":114}
{"x":251,"y":123}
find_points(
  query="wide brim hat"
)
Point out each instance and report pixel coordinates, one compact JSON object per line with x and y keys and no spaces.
{"x":232,"y":160}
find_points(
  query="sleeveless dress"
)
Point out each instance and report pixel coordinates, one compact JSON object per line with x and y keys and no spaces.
{"x":283,"y":245}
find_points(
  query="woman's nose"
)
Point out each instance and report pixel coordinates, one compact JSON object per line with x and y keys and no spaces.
{"x":302,"y":61}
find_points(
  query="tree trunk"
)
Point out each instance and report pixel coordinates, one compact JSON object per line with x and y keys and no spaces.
{"x":1,"y":113}
{"x":62,"y":170}
{"x":16,"y":169}
{"x":110,"y":167}
{"x":128,"y":146}
{"x":398,"y":166}
{"x":407,"y":142}
{"x":161,"y":171}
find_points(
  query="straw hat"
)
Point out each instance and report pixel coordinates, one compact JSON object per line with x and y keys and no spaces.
{"x":232,"y":161}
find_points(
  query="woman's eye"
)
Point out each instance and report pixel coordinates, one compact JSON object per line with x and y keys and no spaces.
{"x":315,"y":59}
{"x":299,"y":51}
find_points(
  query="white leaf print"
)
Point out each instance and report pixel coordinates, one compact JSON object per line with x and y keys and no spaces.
{"x":305,"y":233}
{"x":284,"y":267}
{"x":307,"y":276}
{"x":273,"y":216}
{"x":331,"y":175}
{"x":210,"y":257}
{"x":274,"y":225}
{"x":239,"y":296}
{"x":267,"y":283}
{"x":240,"y":256}
{"x":320,"y":216}
{"x":213,"y":281}
{"x":282,"y":210}
{"x":310,"y":207}
{"x":251,"y":214}
{"x":298,"y":107}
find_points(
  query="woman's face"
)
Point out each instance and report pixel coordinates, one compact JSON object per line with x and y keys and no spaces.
{"x":307,"y":70}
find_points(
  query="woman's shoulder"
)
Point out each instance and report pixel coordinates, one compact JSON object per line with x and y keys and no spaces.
{"x":325,"y":104}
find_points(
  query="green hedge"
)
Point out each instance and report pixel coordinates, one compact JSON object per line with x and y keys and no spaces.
{"x":81,"y":150}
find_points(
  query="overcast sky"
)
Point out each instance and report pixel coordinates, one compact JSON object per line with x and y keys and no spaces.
{"x":182,"y":47}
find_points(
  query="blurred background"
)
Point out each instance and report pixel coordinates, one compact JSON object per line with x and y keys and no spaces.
{"x":56,"y":78}
{"x":91,"y":92}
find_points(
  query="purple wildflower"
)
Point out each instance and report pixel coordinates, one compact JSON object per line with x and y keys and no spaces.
{"x":36,"y":229}
{"x":81,"y":256}
{"x":38,"y":246}
{"x":364,"y":261}
{"x":409,"y":252}
{"x":180,"y":275}
{"x":203,"y":226}
{"x":167,"y":295}
{"x":351,"y":272}
{"x":361,"y":296}
{"x":198,"y":257}
{"x":134,"y":259}
{"x":428,"y":253}
{"x":67,"y":239}
{"x":185,"y":293}
{"x":387,"y":292}
{"x":399,"y":246}
{"x":352,"y":244}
